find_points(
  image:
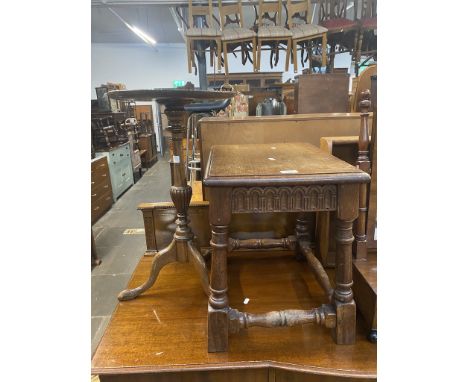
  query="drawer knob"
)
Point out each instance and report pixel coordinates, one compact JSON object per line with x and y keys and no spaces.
{"x":93,"y":194}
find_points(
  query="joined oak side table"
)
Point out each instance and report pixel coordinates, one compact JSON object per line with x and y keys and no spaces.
{"x":282,"y":177}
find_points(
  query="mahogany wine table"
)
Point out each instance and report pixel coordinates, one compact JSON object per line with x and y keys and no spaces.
{"x":161,"y":335}
{"x":182,"y":248}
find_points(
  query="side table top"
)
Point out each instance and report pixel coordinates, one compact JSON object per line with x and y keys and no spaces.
{"x":277,"y":164}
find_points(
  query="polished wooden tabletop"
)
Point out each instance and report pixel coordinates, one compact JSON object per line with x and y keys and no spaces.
{"x":170,"y":96}
{"x":279,"y":162}
{"x":165,"y":329}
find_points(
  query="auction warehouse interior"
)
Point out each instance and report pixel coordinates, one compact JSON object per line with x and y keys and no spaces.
{"x":233,"y":190}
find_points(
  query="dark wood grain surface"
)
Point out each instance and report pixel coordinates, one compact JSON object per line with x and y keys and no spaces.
{"x":168,"y":96}
{"x":284,"y":162}
{"x":165,"y":329}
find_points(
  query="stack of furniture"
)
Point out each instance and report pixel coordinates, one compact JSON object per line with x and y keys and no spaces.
{"x":146,"y":136}
{"x":134,"y":150}
{"x":107,"y":130}
{"x":120,"y":168}
{"x":101,"y":188}
{"x":337,"y":29}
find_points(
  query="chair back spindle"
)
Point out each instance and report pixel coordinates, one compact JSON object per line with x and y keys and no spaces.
{"x":333,"y":9}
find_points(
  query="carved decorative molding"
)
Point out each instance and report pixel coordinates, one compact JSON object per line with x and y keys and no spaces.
{"x":284,"y":199}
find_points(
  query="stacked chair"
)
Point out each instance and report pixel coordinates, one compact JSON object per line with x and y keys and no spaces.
{"x":303,"y":33}
{"x":367,"y":35}
{"x":275,"y":35}
{"x":341,"y":33}
{"x":206,"y":35}
{"x":234,"y":34}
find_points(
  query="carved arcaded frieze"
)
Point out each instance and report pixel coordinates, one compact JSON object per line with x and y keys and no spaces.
{"x":284,"y":199}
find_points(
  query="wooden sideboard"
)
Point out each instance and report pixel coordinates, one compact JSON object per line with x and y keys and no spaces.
{"x":120,"y":168}
{"x":101,"y":189}
{"x":161,"y":335}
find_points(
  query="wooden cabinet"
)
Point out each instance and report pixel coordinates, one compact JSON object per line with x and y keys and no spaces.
{"x":120,"y":168}
{"x":146,"y":142}
{"x":101,"y":189}
{"x":322,"y":93}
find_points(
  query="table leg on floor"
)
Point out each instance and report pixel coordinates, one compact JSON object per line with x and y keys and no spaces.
{"x":347,"y":212}
{"x":218,"y":304}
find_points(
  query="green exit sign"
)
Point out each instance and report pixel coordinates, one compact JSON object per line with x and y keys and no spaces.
{"x":178,"y":83}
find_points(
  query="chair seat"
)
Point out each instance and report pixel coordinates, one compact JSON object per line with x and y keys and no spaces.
{"x":307,"y":30}
{"x":334,"y":25}
{"x":273,"y":31}
{"x":369,"y":23}
{"x":236,"y":33}
{"x":203,"y":32}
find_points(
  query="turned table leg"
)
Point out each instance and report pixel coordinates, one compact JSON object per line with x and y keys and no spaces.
{"x":345,"y":330}
{"x":303,"y":232}
{"x":218,"y":304}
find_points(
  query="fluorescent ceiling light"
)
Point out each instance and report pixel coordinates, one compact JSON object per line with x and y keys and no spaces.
{"x":134,"y":29}
{"x":143,"y":35}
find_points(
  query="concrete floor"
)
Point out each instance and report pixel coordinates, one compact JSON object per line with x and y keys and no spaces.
{"x":120,"y":253}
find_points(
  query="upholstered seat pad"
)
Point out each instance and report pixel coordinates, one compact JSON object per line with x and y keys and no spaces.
{"x":203,"y":32}
{"x":273,"y":31}
{"x":369,"y":23}
{"x":307,"y":30}
{"x":236,"y":33}
{"x":339,"y":24}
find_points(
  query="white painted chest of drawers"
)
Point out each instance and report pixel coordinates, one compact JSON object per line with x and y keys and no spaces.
{"x":120,"y":168}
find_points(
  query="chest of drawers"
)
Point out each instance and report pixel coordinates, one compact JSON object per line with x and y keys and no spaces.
{"x":120,"y":168}
{"x":101,"y":189}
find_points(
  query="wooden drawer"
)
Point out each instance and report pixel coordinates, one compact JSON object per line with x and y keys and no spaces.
{"x":101,"y":188}
{"x":99,"y":179}
{"x":99,"y":166}
{"x":100,"y":204}
{"x":97,"y":162}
